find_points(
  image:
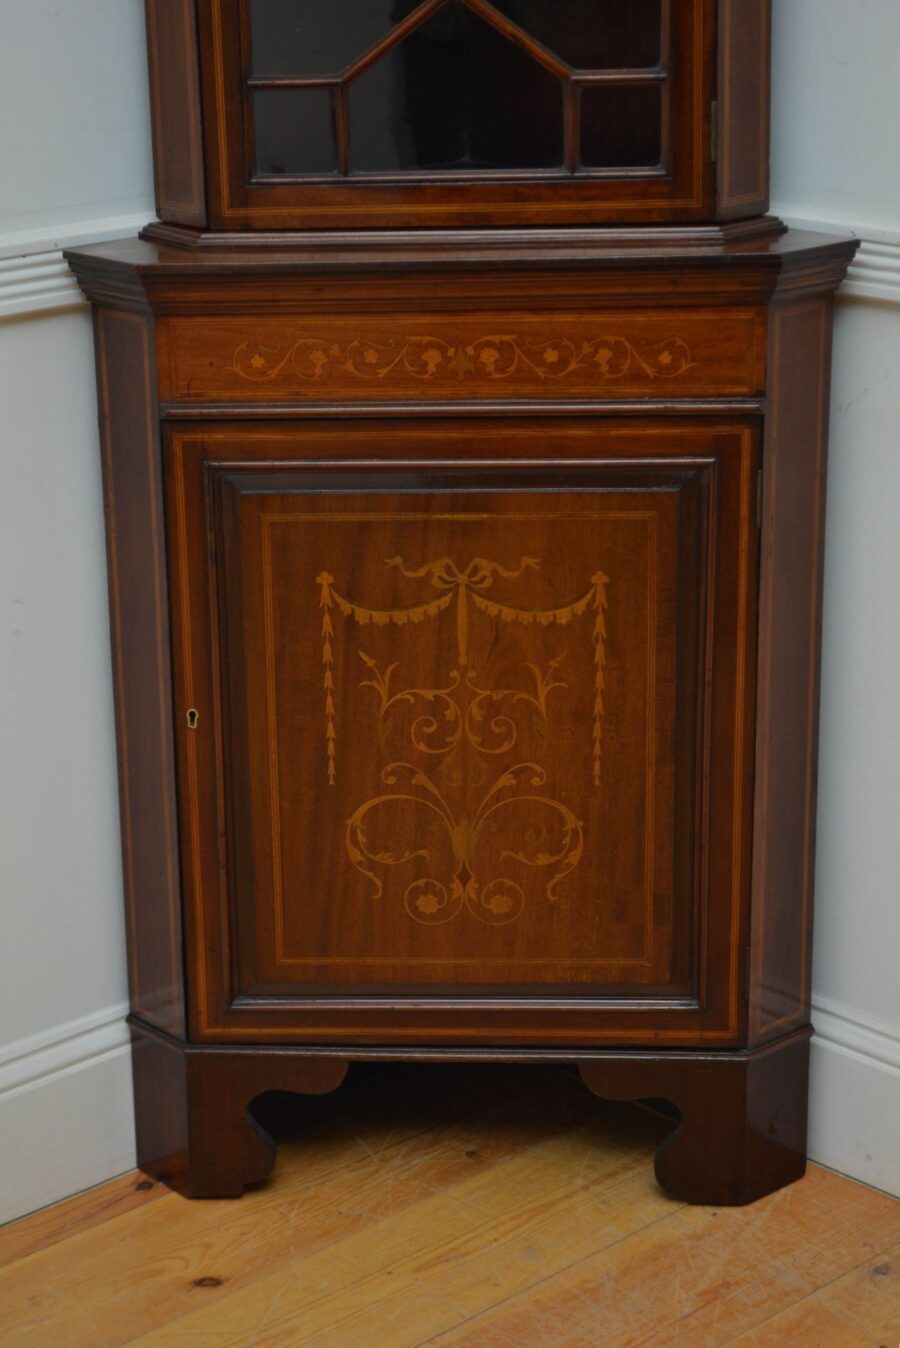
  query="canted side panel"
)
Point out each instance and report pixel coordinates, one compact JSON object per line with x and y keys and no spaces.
{"x":159,"y":1073}
{"x":661,"y":353}
{"x":141,"y":665}
{"x":790,"y":632}
{"x":178,"y":158}
{"x":744,"y":112}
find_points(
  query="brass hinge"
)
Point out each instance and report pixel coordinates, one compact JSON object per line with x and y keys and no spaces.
{"x":714,"y":131}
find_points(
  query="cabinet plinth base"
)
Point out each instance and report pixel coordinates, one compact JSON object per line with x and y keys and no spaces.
{"x":742,"y":1132}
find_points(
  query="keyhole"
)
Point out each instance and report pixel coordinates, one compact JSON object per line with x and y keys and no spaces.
{"x":192,"y":718}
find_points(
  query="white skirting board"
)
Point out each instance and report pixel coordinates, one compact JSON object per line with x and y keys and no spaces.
{"x":66,"y":1113}
{"x":854,"y":1108}
{"x":67,"y":1123}
{"x":35,"y":278}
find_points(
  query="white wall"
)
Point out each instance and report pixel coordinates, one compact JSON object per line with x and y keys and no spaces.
{"x":835,"y":161}
{"x":74,"y":138}
{"x":836,"y":110}
{"x":74,"y":164}
{"x":77,"y":166}
{"x":855,"y":1120}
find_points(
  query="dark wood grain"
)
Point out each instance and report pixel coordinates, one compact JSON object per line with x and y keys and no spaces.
{"x":178,"y":153}
{"x":528,"y":271}
{"x":793,"y":516}
{"x":743,"y":107}
{"x":195,"y":1131}
{"x":742,"y":1133}
{"x":138,"y":591}
{"x":704,"y":234}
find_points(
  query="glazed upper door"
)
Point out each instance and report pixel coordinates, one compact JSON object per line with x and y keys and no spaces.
{"x":464,"y":728}
{"x":404,"y":113}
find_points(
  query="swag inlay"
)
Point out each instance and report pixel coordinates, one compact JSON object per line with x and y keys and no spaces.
{"x":469,"y":805}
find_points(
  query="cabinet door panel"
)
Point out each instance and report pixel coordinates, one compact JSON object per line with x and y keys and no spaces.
{"x":456,"y":740}
{"x":449,"y":113}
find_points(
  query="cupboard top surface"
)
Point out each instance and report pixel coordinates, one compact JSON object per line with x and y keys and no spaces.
{"x":433,"y":251}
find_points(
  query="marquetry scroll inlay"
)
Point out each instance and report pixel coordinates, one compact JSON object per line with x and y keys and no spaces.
{"x":487,"y":358}
{"x":459,"y":728}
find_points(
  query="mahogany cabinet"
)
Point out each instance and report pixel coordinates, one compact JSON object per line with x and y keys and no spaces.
{"x":466,"y":626}
{"x":466,"y":582}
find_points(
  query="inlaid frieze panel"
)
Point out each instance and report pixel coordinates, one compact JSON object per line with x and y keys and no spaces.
{"x":668,"y":354}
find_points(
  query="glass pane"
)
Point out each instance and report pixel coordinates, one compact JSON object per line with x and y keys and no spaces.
{"x":294,"y":132}
{"x":621,"y":126}
{"x":456,"y":94}
{"x":593,"y":34}
{"x":318,"y":37}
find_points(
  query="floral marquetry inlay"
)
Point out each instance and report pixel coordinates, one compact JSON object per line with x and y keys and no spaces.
{"x":492,"y":357}
{"x":458,"y":730}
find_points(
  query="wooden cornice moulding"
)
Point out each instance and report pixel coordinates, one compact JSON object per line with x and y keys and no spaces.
{"x":119,"y":286}
{"x":372,"y":242}
{"x":40,"y":281}
{"x":177,"y":280}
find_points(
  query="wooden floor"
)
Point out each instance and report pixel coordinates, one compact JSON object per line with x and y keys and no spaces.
{"x":463,"y":1207}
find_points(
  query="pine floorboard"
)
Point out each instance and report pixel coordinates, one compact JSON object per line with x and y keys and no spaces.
{"x":461,"y":1207}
